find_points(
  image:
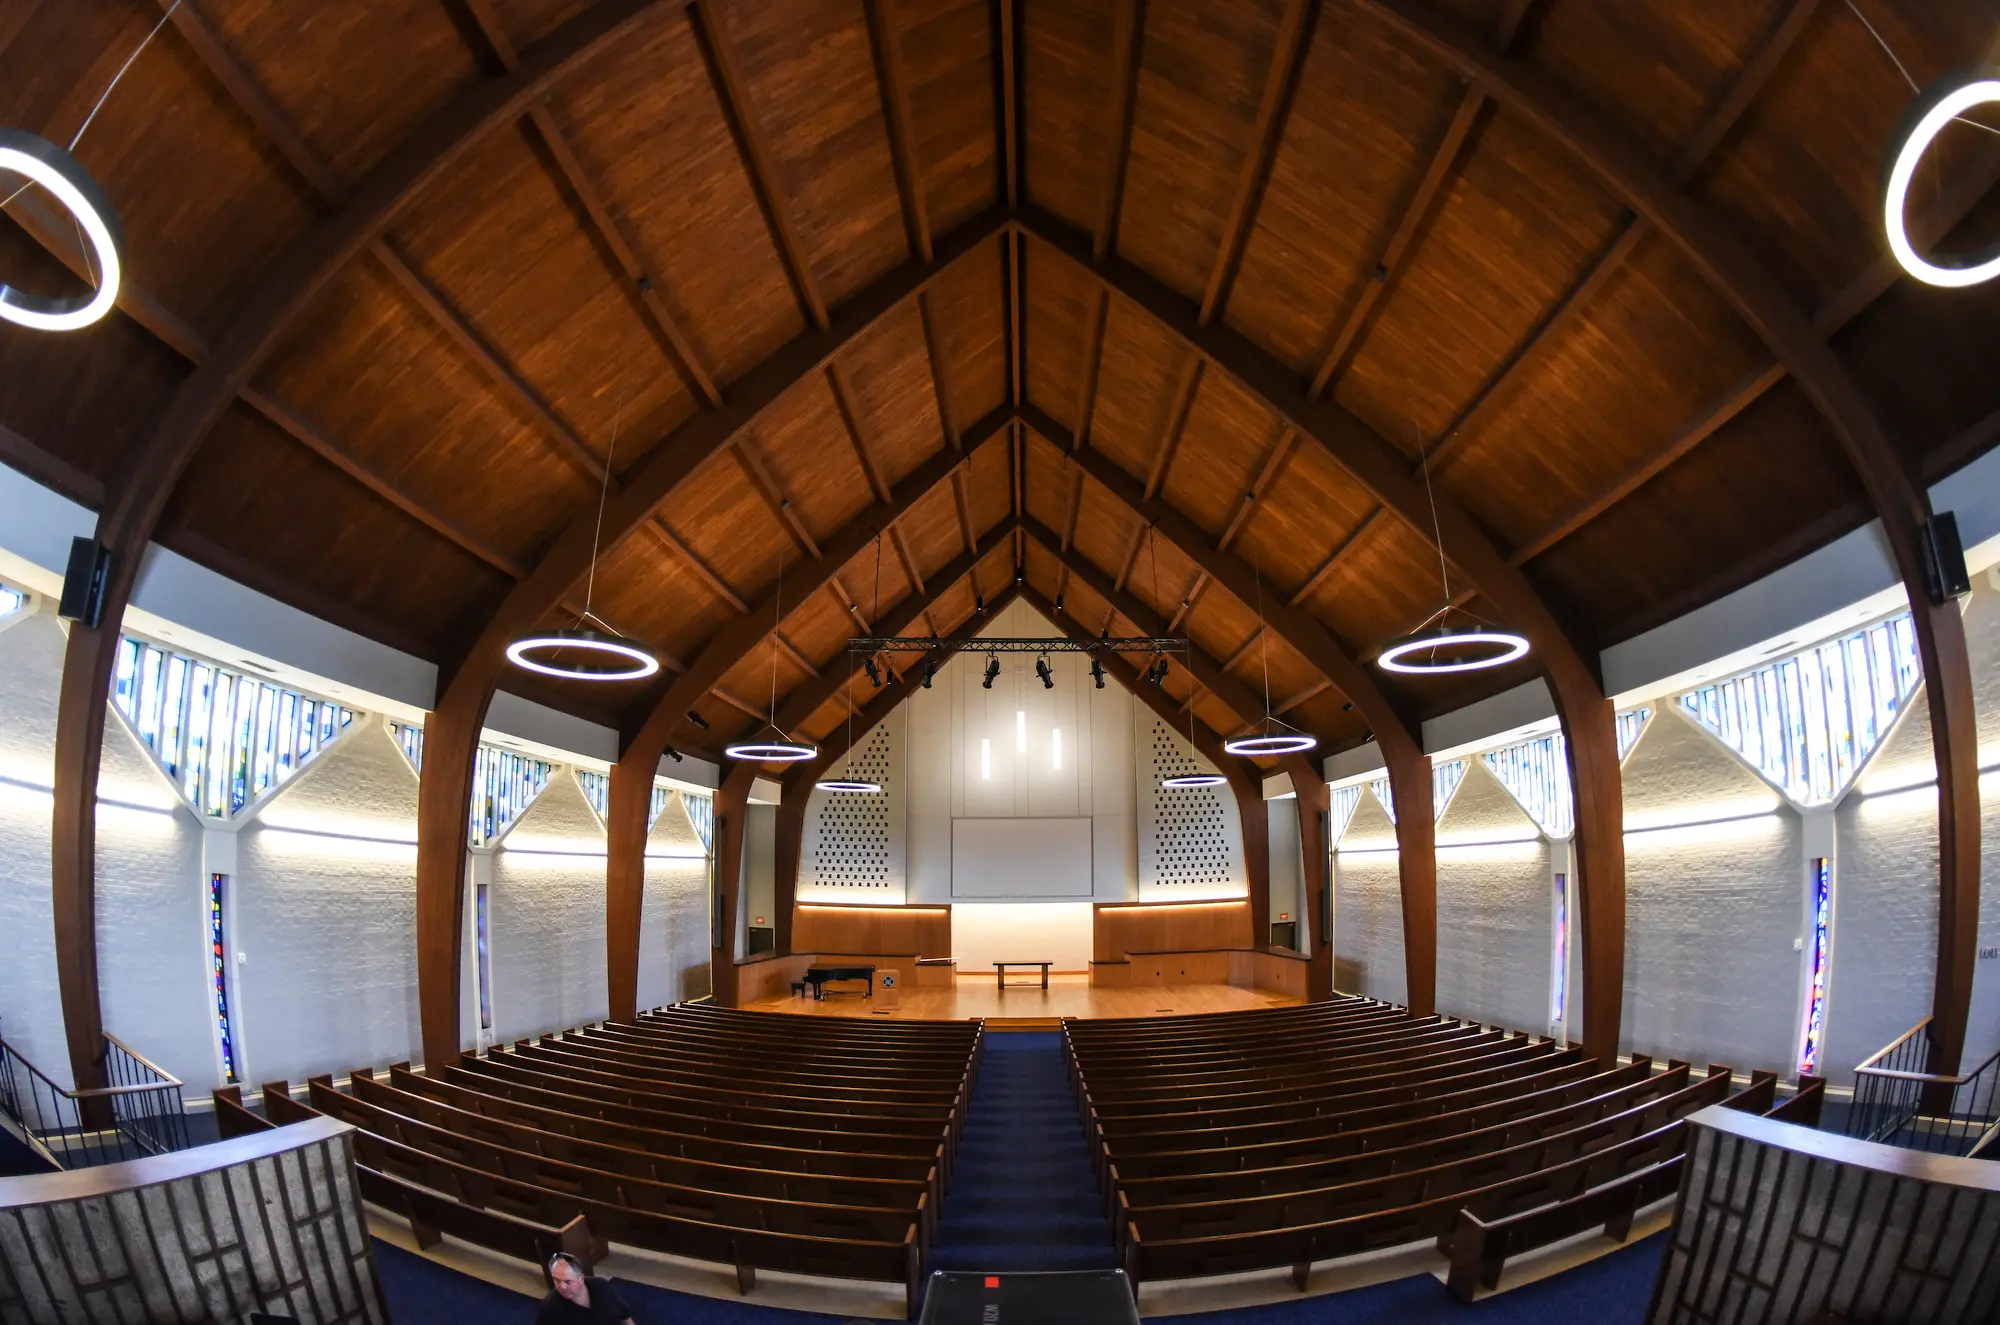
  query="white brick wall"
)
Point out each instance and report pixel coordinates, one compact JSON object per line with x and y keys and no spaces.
{"x":548,"y":917}
{"x":1368,"y":908}
{"x":1494,"y":903}
{"x":673,"y":927}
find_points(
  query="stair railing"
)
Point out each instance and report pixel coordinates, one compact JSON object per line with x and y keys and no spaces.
{"x":1900,"y":1101}
{"x":140,"y":1112}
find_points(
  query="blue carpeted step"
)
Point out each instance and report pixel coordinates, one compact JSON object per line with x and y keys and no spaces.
{"x":1022,"y":1194}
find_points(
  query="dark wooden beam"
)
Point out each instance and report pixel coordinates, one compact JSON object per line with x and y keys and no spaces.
{"x":1008,"y":39}
{"x":1243,"y":649}
{"x":1122,"y":87}
{"x":963,"y":506}
{"x":1369,"y":523}
{"x":940,"y":366}
{"x":702,"y":570}
{"x":1281,"y":83}
{"x":1282,"y":450}
{"x":1131,"y":555}
{"x":759,"y":162}
{"x":774,"y":497}
{"x":1093,"y":359}
{"x":893,"y":88}
{"x":1185,"y":390}
{"x":843,"y":404}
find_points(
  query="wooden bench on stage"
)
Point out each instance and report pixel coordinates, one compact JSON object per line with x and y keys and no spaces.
{"x":1001,"y":968}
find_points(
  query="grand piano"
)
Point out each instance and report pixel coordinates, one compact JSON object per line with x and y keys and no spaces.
{"x":817,"y":976}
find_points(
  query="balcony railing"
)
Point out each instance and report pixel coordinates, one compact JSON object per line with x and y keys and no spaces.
{"x":139,"y":1113}
{"x":1900,"y":1101}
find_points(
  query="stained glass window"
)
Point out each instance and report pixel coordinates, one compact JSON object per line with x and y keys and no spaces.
{"x":1814,"y":1037}
{"x":1380,"y":786}
{"x":596,"y":789}
{"x":1342,"y":802}
{"x":1444,"y":784}
{"x":1536,"y":773}
{"x":503,"y":785}
{"x":1810,"y":721}
{"x":11,"y":601}
{"x":1559,"y":954}
{"x":224,"y":738}
{"x":219,"y":975}
{"x":411,"y":741}
{"x":701,"y":810}
{"x":1630,"y":723}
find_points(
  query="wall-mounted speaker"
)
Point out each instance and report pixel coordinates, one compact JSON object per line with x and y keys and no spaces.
{"x":1945,"y":577}
{"x":85,"y":580}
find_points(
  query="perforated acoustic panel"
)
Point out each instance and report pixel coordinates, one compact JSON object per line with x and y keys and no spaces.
{"x":851,"y":847}
{"x":1189,"y":841}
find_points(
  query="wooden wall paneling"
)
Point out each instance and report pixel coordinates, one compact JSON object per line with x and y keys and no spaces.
{"x":1119,"y":928}
{"x":922,"y":931}
{"x":133,"y":507}
{"x":1735,"y":272}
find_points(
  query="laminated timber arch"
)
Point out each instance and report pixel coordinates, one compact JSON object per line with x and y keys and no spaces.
{"x":1402,"y":749}
{"x":1416,"y":843}
{"x":133,"y":505}
{"x":632,"y":784}
{"x":1731,"y":268}
{"x":1569,"y":666}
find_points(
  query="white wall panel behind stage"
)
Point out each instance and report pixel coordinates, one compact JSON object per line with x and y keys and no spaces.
{"x":1020,"y":858}
{"x":986,"y":932}
{"x":1190,"y":838}
{"x":855,"y":845}
{"x":1019,"y":752}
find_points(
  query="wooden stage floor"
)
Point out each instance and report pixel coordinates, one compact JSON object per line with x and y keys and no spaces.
{"x":1067,"y":996}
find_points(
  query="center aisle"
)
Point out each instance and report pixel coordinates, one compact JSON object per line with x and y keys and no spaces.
{"x":1022,"y":1196}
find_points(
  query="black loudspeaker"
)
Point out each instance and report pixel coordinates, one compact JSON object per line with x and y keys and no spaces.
{"x":83,"y":583}
{"x":1945,"y":577}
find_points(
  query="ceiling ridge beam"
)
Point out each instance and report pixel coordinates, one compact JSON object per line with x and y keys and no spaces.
{"x":893,"y":89}
{"x":1735,"y":99}
{"x":1419,"y":209}
{"x":1008,"y":95}
{"x":758,"y":161}
{"x":1281,"y":85}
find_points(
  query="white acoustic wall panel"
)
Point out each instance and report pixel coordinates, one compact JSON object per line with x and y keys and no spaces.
{"x":1190,"y":838}
{"x":1020,"y":857}
{"x":855,"y":844}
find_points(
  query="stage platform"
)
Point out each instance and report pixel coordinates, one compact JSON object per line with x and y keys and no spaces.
{"x":1066,"y":996}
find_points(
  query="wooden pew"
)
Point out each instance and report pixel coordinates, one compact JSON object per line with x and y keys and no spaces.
{"x":433,"y":1217}
{"x":765,"y":1081}
{"x":710,"y":1092}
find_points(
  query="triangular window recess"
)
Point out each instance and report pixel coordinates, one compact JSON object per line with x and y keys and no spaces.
{"x":1444,"y":784}
{"x":1342,"y":803}
{"x":12,"y":600}
{"x":1808,"y":722}
{"x":701,"y":812}
{"x":597,"y":790}
{"x":222,"y":737}
{"x":1630,"y":723}
{"x":1380,"y":786}
{"x":503,"y":785}
{"x":1536,"y":773}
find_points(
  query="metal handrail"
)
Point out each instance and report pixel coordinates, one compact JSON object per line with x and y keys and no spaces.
{"x":1909,"y":1105}
{"x":166,"y":1078}
{"x":1894,"y":1045}
{"x":78,"y":1128}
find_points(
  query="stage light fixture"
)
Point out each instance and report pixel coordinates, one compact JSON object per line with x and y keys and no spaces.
{"x":614,"y":657}
{"x":930,"y":674}
{"x":1194,"y":780}
{"x":672,"y":754}
{"x":1043,"y":670}
{"x":40,"y":161}
{"x":1097,"y":671}
{"x":992,"y":673}
{"x":1059,"y":602}
{"x":874,"y":673}
{"x":1941,"y":103}
{"x":979,"y":603}
{"x":697,"y":720}
{"x":1418,"y":653}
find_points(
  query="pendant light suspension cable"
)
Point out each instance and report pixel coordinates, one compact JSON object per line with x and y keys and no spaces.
{"x":783,"y":750}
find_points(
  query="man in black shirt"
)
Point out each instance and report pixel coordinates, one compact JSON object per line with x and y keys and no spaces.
{"x":580,"y":1300}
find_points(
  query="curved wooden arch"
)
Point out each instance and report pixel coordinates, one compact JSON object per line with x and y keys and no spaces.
{"x":1402,"y":749}
{"x":632,"y":786}
{"x":1731,"y":268}
{"x":133,"y":505}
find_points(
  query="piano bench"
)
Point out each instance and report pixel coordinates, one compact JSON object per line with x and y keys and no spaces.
{"x":798,"y":989}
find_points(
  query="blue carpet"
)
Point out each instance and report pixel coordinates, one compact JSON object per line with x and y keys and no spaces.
{"x":1022,"y":1196}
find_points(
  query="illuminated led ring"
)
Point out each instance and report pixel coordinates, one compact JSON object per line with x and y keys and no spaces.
{"x":1941,"y":103}
{"x":857,"y":788}
{"x":1277,"y":743}
{"x":634,"y":660}
{"x":42,"y":162}
{"x":1511,"y":646}
{"x":771,"y":752}
{"x":1195,"y":780}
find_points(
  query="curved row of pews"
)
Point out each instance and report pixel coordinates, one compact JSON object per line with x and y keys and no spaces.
{"x":756,"y":1140}
{"x":1282,"y":1137}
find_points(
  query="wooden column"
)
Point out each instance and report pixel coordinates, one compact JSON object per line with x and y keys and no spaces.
{"x":1598,"y":861}
{"x":1416,"y":870}
{"x":732,"y":803}
{"x":1312,"y":801}
{"x":1255,"y":812}
{"x":444,"y":799}
{"x":1955,"y":746}
{"x":625,"y":885}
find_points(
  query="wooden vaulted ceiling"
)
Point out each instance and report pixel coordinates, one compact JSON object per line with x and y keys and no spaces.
{"x":1303,"y":176}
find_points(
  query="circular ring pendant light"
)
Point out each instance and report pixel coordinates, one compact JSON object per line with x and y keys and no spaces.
{"x":614,"y":657}
{"x":1941,"y":103}
{"x":1270,"y":743}
{"x":1418,"y":654}
{"x":853,"y":786}
{"x":771,"y":752}
{"x":41,"y":162}
{"x":1194,"y":780}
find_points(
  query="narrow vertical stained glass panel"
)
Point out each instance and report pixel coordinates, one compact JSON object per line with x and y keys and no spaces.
{"x":411,"y":741}
{"x":1630,"y":723}
{"x":701,"y":812}
{"x":1536,"y":773}
{"x":1380,"y":786}
{"x":219,"y":976}
{"x":482,"y":927}
{"x":1559,"y":952}
{"x":1342,"y":802}
{"x":660,"y":797}
{"x":1814,"y":1035}
{"x":1444,"y":784}
{"x":596,"y":790}
{"x":1808,"y":722}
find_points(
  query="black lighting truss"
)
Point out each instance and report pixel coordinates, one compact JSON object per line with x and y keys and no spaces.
{"x":872,"y":644}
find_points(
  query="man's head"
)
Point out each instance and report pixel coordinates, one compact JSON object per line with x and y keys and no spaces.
{"x":567,"y":1276}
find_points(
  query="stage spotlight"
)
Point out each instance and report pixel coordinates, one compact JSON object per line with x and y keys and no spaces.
{"x":673,"y":754}
{"x":979,"y":603}
{"x":930,"y":671}
{"x":697,"y":720}
{"x":1157,"y":673}
{"x":874,"y":673}
{"x":992,"y":673}
{"x":1043,"y":670}
{"x":1097,"y":671}
{"x":1059,"y":602}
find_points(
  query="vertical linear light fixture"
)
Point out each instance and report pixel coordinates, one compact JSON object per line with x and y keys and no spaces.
{"x":1813,"y":1037}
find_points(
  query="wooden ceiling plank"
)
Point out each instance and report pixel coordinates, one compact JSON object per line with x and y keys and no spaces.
{"x":1281,"y":83}
{"x":1184,"y":394}
{"x":774,"y":497}
{"x":1127,"y":54}
{"x":894,"y":89}
{"x":1131,"y":558}
{"x":963,"y":505}
{"x":1368,"y":524}
{"x":1722,"y":117}
{"x":759,"y":162}
{"x":1073,"y":509}
{"x":673,"y":543}
{"x":1009,"y":40}
{"x":1243,"y":649}
{"x":1272,"y":470}
{"x":940,"y":368}
{"x":1093,"y":361}
{"x":791,"y":651}
{"x":843,"y":403}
